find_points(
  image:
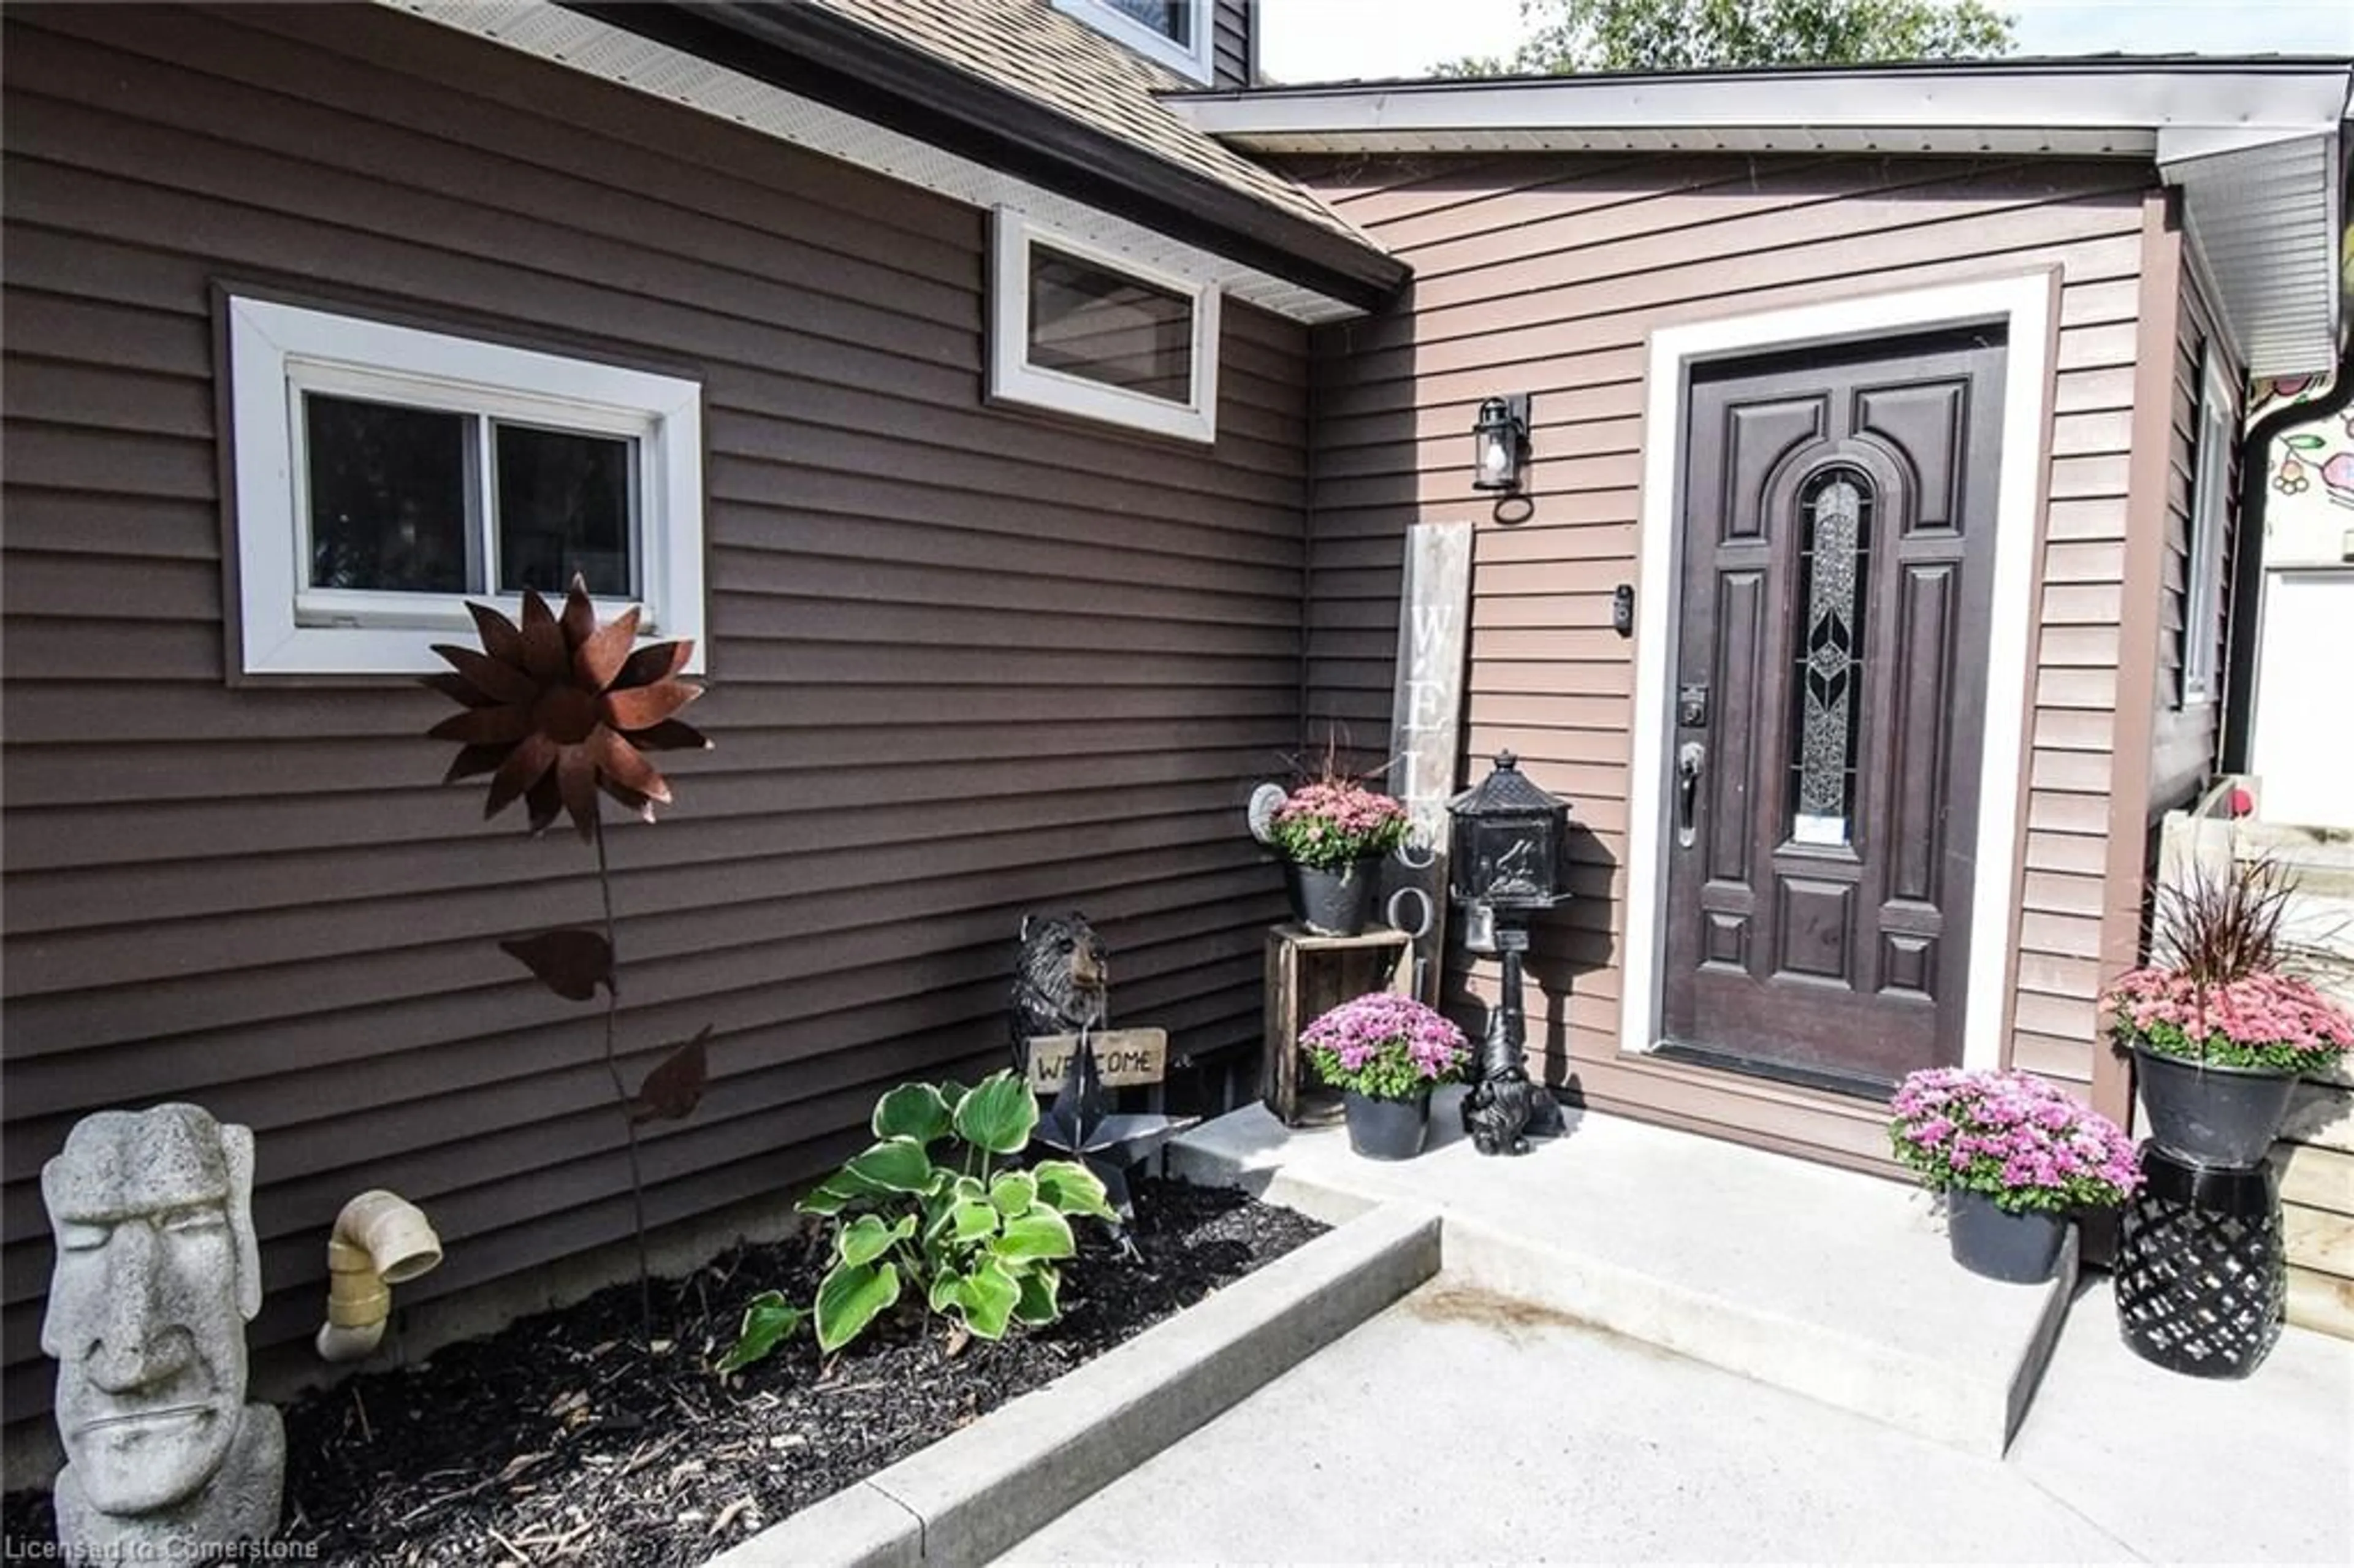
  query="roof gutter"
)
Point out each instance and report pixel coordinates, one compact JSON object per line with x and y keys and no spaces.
{"x":2129,"y":95}
{"x":825,"y":56}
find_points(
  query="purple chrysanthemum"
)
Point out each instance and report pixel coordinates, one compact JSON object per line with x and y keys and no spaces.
{"x":2024,"y":1142}
{"x":1386,"y":1046}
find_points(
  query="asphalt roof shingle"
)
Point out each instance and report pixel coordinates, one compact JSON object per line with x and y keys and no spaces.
{"x":1028,"y":47}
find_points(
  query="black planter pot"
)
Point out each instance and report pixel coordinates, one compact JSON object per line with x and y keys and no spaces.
{"x":2018,"y":1249}
{"x":2211,"y":1114}
{"x":1335,"y":902}
{"x":1387,"y":1130}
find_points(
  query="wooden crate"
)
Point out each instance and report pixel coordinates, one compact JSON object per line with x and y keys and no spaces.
{"x":1307,"y":975}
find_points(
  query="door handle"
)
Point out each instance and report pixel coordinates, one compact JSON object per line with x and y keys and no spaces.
{"x":1688,"y":758}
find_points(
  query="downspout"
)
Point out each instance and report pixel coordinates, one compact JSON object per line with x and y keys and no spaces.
{"x":379,"y":1240}
{"x":2248,"y":555}
{"x":1310,"y":500}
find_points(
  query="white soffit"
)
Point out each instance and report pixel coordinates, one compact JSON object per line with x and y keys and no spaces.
{"x":2266,"y":218}
{"x":584,"y":44}
{"x":2255,"y":145}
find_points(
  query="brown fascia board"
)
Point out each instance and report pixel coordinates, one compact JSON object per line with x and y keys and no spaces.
{"x":821,"y":55}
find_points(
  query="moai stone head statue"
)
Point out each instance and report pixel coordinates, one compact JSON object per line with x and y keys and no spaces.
{"x":157,"y":1276}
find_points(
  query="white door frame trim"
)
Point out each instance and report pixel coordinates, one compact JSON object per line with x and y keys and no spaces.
{"x":2025,"y":304}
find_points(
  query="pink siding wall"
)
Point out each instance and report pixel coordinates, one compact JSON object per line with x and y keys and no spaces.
{"x":1545,"y":274}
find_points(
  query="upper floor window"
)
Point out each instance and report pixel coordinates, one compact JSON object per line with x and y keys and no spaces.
{"x":385,"y":475}
{"x":1076,"y":330}
{"x":1173,"y":33}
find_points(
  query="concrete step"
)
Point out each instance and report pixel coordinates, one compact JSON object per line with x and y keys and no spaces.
{"x":1826,"y":1282}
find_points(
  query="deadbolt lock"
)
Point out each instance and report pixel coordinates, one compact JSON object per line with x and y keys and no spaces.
{"x":1692,"y":706}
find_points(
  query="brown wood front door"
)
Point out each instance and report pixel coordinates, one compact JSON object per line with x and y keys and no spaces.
{"x":1829,"y":703}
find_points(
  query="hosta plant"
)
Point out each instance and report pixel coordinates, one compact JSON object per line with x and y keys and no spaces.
{"x":934,"y":1212}
{"x":1388,"y":1047}
{"x":2026,"y":1143}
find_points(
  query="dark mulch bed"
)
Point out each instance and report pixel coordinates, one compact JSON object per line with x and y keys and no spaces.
{"x":564,"y":1439}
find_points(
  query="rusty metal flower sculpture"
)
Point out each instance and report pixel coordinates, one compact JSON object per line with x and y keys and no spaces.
{"x":560,"y":707}
{"x":555,"y":710}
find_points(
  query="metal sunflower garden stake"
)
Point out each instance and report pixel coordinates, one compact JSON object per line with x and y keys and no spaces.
{"x":557,"y":710}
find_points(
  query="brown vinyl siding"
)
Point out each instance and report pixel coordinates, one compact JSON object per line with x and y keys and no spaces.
{"x":1231,"y":44}
{"x":2124,"y":864}
{"x":964,"y":661}
{"x":1545,"y":274}
{"x":2182,"y":751}
{"x":2150,"y":720}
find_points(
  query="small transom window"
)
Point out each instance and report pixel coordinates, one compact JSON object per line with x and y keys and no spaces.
{"x":1112,"y":329}
{"x":1086,"y":335}
{"x":386,"y":475}
{"x":1173,"y":33}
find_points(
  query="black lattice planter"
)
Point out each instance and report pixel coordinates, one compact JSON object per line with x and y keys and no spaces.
{"x":2201,"y":1275}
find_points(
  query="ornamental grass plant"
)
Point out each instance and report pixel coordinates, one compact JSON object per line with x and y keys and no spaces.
{"x":1384,"y":1046}
{"x":2026,"y":1143}
{"x":2217,"y":991}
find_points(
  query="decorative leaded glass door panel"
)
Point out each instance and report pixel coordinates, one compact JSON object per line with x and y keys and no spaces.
{"x":1837,"y":542}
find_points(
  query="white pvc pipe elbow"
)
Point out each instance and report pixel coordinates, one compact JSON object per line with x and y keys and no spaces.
{"x":380,"y":1240}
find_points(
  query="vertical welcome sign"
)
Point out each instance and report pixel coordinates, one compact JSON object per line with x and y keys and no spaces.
{"x":1426,"y":733}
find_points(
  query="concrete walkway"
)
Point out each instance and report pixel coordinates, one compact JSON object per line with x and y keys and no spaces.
{"x":1829,"y":1283}
{"x":1462,"y":1426}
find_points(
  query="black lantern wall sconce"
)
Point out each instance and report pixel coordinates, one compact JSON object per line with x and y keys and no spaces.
{"x":1500,"y":444}
{"x":1506,"y":849}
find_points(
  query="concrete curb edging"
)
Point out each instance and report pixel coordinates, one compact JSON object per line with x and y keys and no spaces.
{"x":977,"y":1492}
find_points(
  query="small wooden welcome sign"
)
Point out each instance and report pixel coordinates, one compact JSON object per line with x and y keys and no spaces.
{"x":1124,"y":1057}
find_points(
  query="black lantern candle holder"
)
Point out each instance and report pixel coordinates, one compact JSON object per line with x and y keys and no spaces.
{"x":1505,"y":857}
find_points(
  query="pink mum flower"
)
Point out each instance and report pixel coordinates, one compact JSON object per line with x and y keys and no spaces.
{"x":2023,"y":1142}
{"x":1330,"y":823}
{"x":2266,"y":1020}
{"x":1385,"y":1046}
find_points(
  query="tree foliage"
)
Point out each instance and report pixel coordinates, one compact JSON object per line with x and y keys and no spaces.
{"x":1573,"y":36}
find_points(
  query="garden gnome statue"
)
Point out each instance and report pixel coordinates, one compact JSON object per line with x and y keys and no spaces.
{"x":157,"y":1276}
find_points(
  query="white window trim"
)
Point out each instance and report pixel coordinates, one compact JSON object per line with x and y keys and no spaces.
{"x":276,"y":350}
{"x":2203,"y":597}
{"x":1196,"y":63}
{"x":2026,"y":304}
{"x":1013,"y":379}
